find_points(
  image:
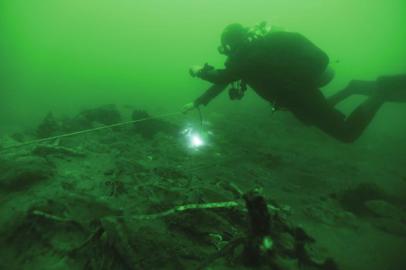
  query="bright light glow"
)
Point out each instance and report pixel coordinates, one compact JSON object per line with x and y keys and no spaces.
{"x":196,"y":141}
{"x":194,"y":138}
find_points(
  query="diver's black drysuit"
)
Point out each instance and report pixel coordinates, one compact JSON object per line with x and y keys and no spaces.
{"x":286,"y":69}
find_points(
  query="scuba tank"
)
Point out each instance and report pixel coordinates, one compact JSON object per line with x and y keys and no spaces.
{"x":254,"y":33}
{"x":261,"y":29}
{"x":258,"y":31}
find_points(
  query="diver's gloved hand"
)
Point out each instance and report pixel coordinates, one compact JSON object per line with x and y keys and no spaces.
{"x":188,"y":107}
{"x":195,"y":70}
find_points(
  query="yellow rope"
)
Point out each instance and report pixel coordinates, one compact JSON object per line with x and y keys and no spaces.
{"x":86,"y":131}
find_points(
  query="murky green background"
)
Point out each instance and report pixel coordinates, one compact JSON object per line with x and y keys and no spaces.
{"x":68,"y":54}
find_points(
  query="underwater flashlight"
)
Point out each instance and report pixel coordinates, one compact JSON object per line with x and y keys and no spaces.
{"x":196,"y":136}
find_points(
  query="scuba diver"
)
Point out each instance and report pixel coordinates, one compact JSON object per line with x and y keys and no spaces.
{"x":288,"y":70}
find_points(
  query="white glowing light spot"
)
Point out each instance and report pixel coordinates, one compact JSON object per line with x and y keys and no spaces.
{"x":196,"y":140}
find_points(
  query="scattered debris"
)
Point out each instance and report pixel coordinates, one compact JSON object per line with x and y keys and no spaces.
{"x":48,"y":127}
{"x":60,"y":151}
{"x":116,"y":188}
{"x":389,"y":225}
{"x":270,"y":242}
{"x":381,"y":208}
{"x":148,"y":129}
{"x":124,"y":202}
{"x":354,"y":198}
{"x":86,"y":119}
{"x":24,"y":172}
{"x":370,"y":202}
{"x":327,"y":214}
{"x":105,"y":237}
{"x":107,"y":115}
{"x":169,"y":173}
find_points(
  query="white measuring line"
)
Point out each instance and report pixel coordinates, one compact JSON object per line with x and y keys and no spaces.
{"x":85,"y":131}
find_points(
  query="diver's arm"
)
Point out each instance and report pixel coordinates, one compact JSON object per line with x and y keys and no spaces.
{"x":215,"y":76}
{"x":210,"y":94}
{"x":204,"y":99}
{"x":220,"y":80}
{"x":218,"y":76}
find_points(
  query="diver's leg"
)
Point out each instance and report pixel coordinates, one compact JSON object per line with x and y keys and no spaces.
{"x":315,"y":110}
{"x":355,"y":87}
{"x":349,"y":129}
{"x":338,"y":97}
{"x":361,"y":117}
{"x":393,"y":88}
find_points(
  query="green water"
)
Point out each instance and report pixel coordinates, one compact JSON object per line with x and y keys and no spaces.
{"x":63,"y":56}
